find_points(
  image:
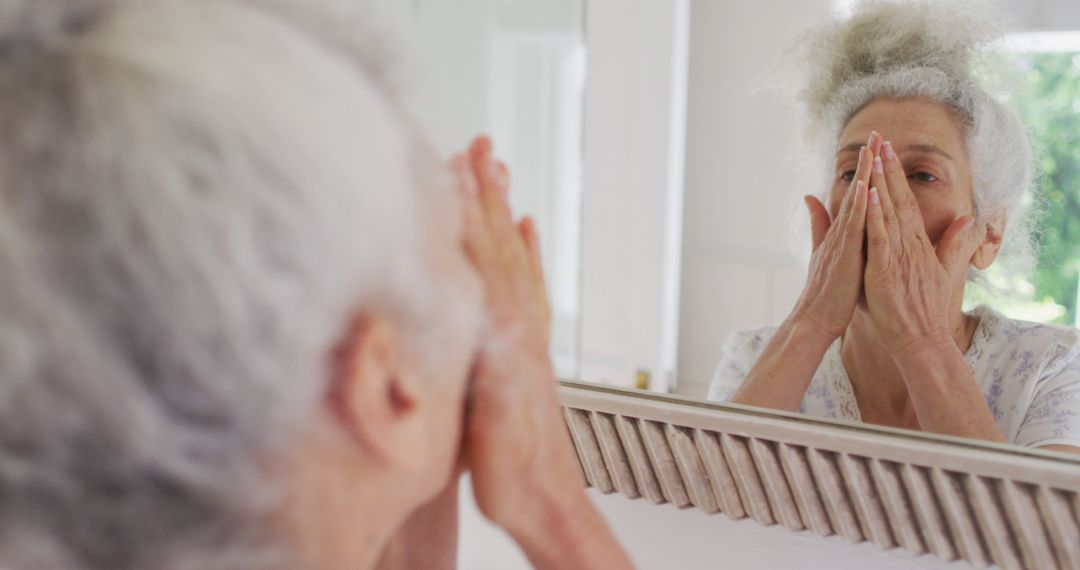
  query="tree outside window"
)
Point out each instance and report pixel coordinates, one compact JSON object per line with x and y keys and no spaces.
{"x":1044,"y":87}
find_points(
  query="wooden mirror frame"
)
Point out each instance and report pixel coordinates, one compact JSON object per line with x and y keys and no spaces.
{"x":954,"y":498}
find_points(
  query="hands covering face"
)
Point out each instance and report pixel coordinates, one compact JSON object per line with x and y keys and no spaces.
{"x":828,"y":301}
{"x":878,"y":245}
{"x":911,"y":283}
{"x":516,"y":443}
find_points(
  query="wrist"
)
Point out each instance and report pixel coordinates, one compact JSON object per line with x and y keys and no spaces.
{"x":934,"y":352}
{"x":803,"y":328}
{"x":566,"y":532}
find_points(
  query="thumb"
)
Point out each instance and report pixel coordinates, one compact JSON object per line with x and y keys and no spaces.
{"x":956,"y":246}
{"x":819,"y":219}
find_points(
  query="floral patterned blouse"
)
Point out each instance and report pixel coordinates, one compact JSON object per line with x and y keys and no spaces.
{"x":1029,"y":374}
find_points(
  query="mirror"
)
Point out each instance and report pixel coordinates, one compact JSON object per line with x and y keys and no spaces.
{"x":743,"y":268}
{"x":516,"y":71}
{"x":661,"y":149}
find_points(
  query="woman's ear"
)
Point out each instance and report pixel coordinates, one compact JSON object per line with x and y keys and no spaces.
{"x":990,"y":247}
{"x":371,"y":395}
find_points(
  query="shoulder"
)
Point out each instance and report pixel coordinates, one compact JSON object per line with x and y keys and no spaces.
{"x":1052,"y":346}
{"x":1018,"y":362}
{"x":1035,"y":391}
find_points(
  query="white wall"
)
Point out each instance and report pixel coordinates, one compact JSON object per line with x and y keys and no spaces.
{"x":663,"y":537}
{"x":516,"y":71}
{"x":740,"y":268}
{"x":632,"y":206}
{"x":1045,"y":15}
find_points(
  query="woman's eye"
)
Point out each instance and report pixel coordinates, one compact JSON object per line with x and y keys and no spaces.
{"x":924,"y":177}
{"x":847,"y":176}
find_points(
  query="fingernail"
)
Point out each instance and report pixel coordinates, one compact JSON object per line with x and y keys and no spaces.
{"x":889,"y":153}
{"x":874,"y":199}
{"x":878,"y":166}
{"x":873,"y":138}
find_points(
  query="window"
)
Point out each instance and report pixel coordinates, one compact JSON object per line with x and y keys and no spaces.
{"x":1040,"y":78}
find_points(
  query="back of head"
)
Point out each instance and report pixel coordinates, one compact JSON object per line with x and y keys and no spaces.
{"x":194,"y":197}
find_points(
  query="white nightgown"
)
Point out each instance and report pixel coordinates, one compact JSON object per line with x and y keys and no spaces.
{"x":1029,"y":374}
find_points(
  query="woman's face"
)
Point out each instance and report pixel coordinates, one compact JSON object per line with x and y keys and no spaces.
{"x":930,"y":145}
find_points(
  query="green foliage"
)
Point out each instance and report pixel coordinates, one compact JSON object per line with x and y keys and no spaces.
{"x":1048,"y":100}
{"x":1051,"y":109}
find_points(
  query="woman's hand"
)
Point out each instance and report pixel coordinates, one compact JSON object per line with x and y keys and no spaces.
{"x":836,"y":266}
{"x":785,"y":367}
{"x":910,"y":283}
{"x":911,"y":290}
{"x":505,"y":254}
{"x":517,"y":445}
{"x":515,"y":434}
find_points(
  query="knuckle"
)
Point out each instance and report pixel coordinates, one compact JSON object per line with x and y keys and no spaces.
{"x":853,"y":231}
{"x":906,"y":204}
{"x":879,"y":241}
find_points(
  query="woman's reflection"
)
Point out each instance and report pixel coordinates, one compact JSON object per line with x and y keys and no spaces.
{"x":929,"y":173}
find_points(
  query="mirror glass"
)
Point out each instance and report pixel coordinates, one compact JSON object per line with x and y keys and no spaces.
{"x":746,"y":240}
{"x":661,"y":147}
{"x":514,"y":70}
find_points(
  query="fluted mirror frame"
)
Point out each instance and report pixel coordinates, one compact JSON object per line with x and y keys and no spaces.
{"x":953,"y":498}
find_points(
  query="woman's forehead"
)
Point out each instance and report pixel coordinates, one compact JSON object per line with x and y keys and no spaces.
{"x":917,"y":124}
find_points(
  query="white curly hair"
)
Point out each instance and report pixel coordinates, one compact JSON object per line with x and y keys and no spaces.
{"x":195,"y":197}
{"x":927,"y":48}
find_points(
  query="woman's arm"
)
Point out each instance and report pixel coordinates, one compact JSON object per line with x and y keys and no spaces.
{"x":785,"y":368}
{"x":572,"y":535}
{"x":944,"y":392}
{"x":783,"y":371}
{"x":1061,"y":448}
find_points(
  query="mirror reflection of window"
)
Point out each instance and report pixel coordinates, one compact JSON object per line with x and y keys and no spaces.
{"x":1041,"y":80}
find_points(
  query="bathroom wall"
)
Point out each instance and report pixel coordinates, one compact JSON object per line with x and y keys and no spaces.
{"x":513,"y":70}
{"x":1046,"y":15}
{"x":743,"y":179}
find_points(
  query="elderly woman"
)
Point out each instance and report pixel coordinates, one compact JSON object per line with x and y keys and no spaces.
{"x":244,"y":305}
{"x":928,"y":175}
